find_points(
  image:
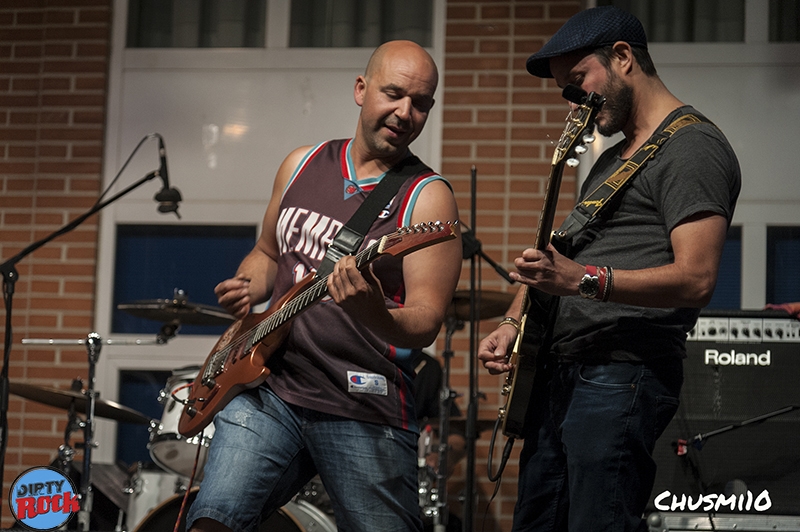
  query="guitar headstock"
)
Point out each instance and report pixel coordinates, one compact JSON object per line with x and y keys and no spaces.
{"x":411,"y":238}
{"x":579,"y":130}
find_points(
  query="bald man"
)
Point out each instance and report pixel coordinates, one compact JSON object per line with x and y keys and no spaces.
{"x":338,"y":402}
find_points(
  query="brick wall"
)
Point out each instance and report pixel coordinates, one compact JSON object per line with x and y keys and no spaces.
{"x":503,"y":121}
{"x":53,"y":70}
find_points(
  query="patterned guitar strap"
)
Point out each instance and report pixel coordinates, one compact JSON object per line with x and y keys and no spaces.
{"x":591,"y":206}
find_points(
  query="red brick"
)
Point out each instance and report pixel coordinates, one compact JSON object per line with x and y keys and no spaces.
{"x":88,"y":117}
{"x":477,"y":29}
{"x":60,"y":16}
{"x":87,"y":151}
{"x":529,"y":11}
{"x":93,"y":16}
{"x":69,"y":167}
{"x":17,"y":168}
{"x":490,"y":151}
{"x":457,"y":115}
{"x":90,"y":82}
{"x":460,"y":12}
{"x":490,"y":116}
{"x":475,"y":98}
{"x":58,"y":50}
{"x":30,"y":51}
{"x":76,"y":33}
{"x":13,"y":218}
{"x":23,"y":118}
{"x":496,"y":12}
{"x":493,"y":46}
{"x":53,"y":151}
{"x":54,"y":117}
{"x":455,"y":46}
{"x":44,"y":218}
{"x":56,"y":84}
{"x":82,"y":66}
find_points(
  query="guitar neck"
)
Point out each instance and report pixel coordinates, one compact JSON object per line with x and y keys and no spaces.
{"x":309,"y":296}
{"x":545,"y":227}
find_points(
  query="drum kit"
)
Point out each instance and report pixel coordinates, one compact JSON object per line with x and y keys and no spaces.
{"x":149,"y":499}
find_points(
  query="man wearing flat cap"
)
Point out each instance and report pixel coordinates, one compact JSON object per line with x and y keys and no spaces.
{"x":631,"y":283}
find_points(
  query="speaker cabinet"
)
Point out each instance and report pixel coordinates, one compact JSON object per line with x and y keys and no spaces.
{"x":738,"y":417}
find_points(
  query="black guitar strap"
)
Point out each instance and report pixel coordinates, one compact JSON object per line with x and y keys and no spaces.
{"x":591,"y":206}
{"x":351,"y":235}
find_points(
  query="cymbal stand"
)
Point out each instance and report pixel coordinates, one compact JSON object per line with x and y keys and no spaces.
{"x":93,"y":346}
{"x":446,"y":396}
{"x":65,"y":451}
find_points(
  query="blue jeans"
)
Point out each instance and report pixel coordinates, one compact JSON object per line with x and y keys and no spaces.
{"x":587,"y":464}
{"x":264,"y":450}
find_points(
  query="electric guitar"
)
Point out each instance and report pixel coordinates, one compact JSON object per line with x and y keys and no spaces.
{"x":238,"y":360}
{"x":538,"y":307}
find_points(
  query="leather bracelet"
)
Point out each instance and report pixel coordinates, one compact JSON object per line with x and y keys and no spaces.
{"x":609,"y":283}
{"x":508,"y":320}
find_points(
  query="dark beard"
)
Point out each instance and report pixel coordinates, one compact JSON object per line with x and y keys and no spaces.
{"x":618,"y":106}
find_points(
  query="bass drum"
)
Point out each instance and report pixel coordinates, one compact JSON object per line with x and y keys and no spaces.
{"x":296,"y":516}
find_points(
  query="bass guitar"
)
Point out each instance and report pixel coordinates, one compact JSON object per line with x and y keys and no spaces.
{"x":538,"y":307}
{"x":238,"y":360}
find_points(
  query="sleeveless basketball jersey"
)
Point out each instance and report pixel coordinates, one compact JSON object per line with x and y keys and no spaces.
{"x":330,"y":362}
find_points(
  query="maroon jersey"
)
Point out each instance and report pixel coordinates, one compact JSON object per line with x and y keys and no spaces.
{"x":329,"y":362}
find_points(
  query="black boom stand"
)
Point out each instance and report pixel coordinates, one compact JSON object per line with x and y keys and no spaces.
{"x":10,"y":277}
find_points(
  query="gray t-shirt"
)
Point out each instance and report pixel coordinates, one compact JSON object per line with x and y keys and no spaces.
{"x":694,"y":171}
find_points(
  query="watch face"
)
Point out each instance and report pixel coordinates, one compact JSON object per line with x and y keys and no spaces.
{"x":589,"y":286}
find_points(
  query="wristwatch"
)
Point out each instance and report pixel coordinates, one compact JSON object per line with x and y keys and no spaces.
{"x":590,"y":283}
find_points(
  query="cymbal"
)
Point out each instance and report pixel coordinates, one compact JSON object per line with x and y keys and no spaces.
{"x":490,"y":303}
{"x":459,"y":424}
{"x":179,"y":310}
{"x":64,"y":398}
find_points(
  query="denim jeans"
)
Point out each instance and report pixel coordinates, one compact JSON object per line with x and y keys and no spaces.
{"x":264,"y":450}
{"x":586,"y":464}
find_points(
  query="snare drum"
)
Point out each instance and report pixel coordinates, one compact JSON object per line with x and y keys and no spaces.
{"x":171,"y":451}
{"x":296,"y":516}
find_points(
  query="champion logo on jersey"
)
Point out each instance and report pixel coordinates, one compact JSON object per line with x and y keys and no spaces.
{"x":371,"y":383}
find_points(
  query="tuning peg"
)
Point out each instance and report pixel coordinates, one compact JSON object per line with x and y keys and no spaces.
{"x":572,"y":162}
{"x":588,"y":138}
{"x":580,"y":149}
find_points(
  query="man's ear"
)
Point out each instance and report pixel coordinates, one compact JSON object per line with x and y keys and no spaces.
{"x":359,"y":90}
{"x":623,"y":56}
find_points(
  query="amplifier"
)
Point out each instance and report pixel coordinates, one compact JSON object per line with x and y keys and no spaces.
{"x":685,"y":522}
{"x":734,"y":444}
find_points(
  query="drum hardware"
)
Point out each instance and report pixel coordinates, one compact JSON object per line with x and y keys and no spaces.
{"x":170,"y":450}
{"x":177,"y":311}
{"x":436,"y":504}
{"x":86,"y":401}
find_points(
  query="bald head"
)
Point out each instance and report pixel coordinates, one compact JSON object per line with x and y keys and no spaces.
{"x":405,"y":51}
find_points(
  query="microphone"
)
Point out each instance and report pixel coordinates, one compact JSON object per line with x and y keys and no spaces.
{"x":167,"y":198}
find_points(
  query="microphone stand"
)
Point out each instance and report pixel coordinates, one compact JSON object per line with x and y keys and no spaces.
{"x":10,"y":277}
{"x":471,"y":250}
